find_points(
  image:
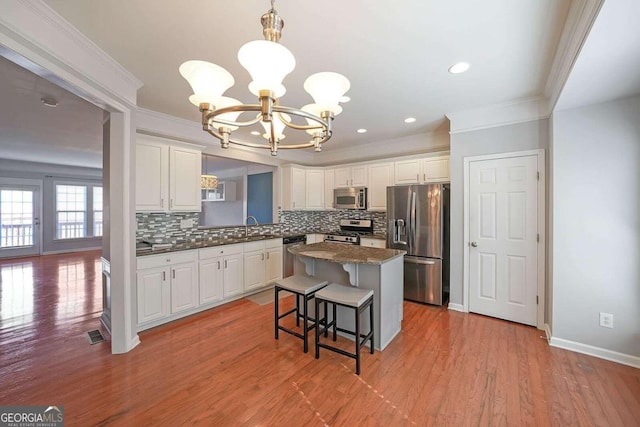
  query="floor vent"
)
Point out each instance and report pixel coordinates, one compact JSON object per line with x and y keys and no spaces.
{"x":95,"y":336}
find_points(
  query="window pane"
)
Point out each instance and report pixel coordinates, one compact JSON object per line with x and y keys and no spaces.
{"x":16,"y":221}
{"x":71,"y":206}
{"x":97,"y":211}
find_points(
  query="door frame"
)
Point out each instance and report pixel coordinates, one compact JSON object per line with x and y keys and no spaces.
{"x":28,"y":183}
{"x":540,"y":154}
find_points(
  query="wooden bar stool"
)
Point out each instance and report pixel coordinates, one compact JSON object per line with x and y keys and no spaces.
{"x":350,"y":297}
{"x":302,"y":287}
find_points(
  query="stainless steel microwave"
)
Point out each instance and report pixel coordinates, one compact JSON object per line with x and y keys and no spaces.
{"x":350,"y":198}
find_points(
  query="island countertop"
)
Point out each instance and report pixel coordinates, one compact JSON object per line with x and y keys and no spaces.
{"x":346,"y":254}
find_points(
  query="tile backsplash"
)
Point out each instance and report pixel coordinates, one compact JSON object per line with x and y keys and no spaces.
{"x":165,"y":227}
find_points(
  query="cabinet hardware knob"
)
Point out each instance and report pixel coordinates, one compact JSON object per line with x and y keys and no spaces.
{"x":225,"y":263}
{"x":173,"y":273}
{"x":164,"y":276}
{"x":218,"y":265}
{"x":262,"y":257}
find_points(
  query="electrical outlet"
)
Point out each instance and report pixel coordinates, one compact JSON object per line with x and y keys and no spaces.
{"x":606,"y":320}
{"x":186,"y":223}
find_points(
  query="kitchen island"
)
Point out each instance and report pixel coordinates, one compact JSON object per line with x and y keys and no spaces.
{"x":381,"y":270}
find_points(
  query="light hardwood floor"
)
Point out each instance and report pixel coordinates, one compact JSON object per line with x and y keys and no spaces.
{"x":223,"y":367}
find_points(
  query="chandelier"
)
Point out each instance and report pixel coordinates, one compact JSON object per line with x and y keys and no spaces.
{"x":268,"y":63}
{"x":207,"y":181}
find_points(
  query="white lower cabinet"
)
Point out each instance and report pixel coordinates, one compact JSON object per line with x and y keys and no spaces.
{"x":315,"y":238}
{"x":177,"y":284}
{"x":262,"y":263}
{"x":166,"y":284}
{"x":221,"y":272}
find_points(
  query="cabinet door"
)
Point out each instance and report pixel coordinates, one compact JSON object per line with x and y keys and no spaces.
{"x":359,"y":176}
{"x":298,"y":188}
{"x":342,"y":177}
{"x":184,"y":179}
{"x":233,"y":275}
{"x":154,"y":293}
{"x":254,"y":270}
{"x":314,"y":189}
{"x":435,"y":169}
{"x":380,"y":177}
{"x":329,"y":185}
{"x":152,"y":176}
{"x":274,"y":264}
{"x":211,"y":280}
{"x":184,"y":287}
{"x":407,"y":171}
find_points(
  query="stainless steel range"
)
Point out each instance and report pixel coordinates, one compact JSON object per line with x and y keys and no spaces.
{"x":350,"y":231}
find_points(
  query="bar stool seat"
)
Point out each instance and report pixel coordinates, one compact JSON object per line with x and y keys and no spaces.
{"x":302,"y":287}
{"x":346,"y":296}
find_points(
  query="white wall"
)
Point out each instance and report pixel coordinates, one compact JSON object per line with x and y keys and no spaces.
{"x":504,"y":139}
{"x":596,"y":225}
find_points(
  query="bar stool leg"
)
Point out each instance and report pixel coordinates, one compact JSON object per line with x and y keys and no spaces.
{"x":297,"y":310}
{"x":305,"y":329}
{"x":326,"y":320}
{"x":335,"y":321}
{"x":277,"y":310}
{"x":317,"y":306}
{"x":372,"y":340}
{"x":357,"y":310}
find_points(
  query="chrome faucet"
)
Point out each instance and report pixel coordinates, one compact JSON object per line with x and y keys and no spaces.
{"x":246,"y":224}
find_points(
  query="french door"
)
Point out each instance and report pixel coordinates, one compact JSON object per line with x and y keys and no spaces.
{"x":19,"y":220}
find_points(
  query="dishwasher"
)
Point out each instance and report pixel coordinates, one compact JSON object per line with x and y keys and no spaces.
{"x":288,"y":259}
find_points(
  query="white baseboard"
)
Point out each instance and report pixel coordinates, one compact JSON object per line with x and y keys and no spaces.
{"x":133,"y":343}
{"x":602,"y":353}
{"x":64,"y":251}
{"x":456,"y":307}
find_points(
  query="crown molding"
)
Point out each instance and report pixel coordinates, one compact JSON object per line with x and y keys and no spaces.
{"x":56,"y":40}
{"x":582,"y":14}
{"x":496,"y":115}
{"x":413,"y":144}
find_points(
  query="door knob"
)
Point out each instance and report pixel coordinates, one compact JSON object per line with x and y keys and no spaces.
{"x":474,"y":244}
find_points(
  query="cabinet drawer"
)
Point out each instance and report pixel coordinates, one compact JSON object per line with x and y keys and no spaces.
{"x":254,"y":246}
{"x":217,"y":251}
{"x":372,"y":243}
{"x":273,"y":243}
{"x":152,"y":261}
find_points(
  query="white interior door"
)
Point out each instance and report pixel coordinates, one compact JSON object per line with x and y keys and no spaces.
{"x":503,"y":230}
{"x":19,"y":220}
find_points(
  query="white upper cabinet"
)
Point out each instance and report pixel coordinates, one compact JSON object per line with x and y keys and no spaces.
{"x":314,"y":189}
{"x":329,"y":185}
{"x":294,"y":180}
{"x":380,"y":177}
{"x":435,"y":169}
{"x":184,"y":179}
{"x":167,"y":177}
{"x":152,"y":176}
{"x":354,"y":176}
{"x":408,"y":171}
{"x":414,"y":171}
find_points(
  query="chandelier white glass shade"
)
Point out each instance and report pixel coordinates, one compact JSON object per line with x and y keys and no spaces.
{"x":268,"y":63}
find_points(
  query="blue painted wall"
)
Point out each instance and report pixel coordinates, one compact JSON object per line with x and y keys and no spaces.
{"x":260,"y":197}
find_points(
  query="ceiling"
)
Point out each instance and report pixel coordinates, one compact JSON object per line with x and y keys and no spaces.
{"x":395,"y":57}
{"x":395,"y":54}
{"x":609,"y":63}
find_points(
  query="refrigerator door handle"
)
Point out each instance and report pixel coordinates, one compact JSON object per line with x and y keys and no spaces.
{"x":418,"y":260}
{"x":412,"y":222}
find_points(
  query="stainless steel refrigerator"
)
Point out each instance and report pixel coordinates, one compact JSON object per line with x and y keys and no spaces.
{"x":418,"y":222}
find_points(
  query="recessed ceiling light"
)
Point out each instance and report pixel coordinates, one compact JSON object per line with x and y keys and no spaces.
{"x":49,"y":102}
{"x":410,"y":120}
{"x":255,"y":132}
{"x":459,"y":67}
{"x":362,"y":131}
{"x":345,"y":99}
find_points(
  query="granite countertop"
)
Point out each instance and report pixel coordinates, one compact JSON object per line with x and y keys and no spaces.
{"x":186,"y":246}
{"x":346,"y":254}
